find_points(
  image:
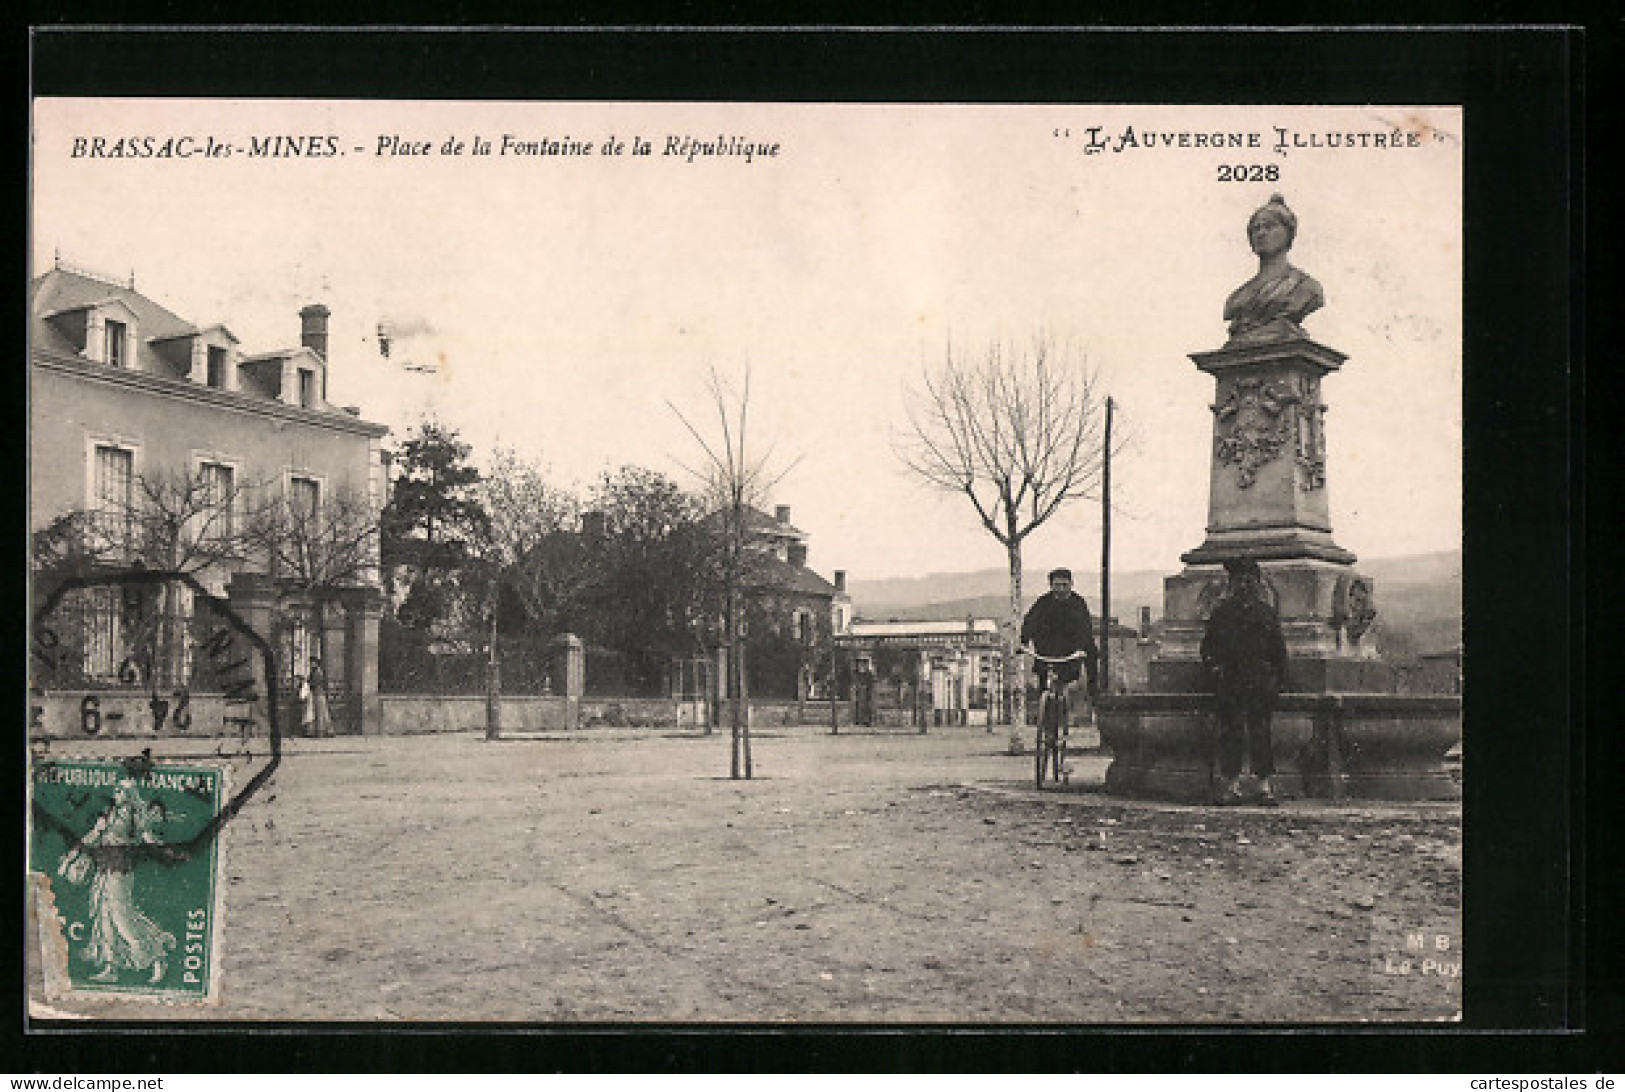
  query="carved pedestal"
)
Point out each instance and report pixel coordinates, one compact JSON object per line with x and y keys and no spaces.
{"x":1340,"y":730}
{"x":1326,"y":611}
{"x":1267,"y":501}
{"x":1267,"y":485}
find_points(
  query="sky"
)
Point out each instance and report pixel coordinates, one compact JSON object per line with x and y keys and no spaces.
{"x":561,"y":305}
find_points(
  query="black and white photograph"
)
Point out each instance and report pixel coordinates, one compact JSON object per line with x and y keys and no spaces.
{"x":775,"y":563}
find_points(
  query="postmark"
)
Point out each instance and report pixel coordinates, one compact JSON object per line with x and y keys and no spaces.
{"x":127,"y":885}
{"x":151,"y":655}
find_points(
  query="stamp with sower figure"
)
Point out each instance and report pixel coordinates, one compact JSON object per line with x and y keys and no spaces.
{"x":130,"y":905}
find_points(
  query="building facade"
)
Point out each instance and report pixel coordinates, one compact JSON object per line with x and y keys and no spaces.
{"x":921,"y":673}
{"x":791,"y":613}
{"x":136,"y":414}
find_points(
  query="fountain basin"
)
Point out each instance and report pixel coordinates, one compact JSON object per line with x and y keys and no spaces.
{"x":1332,"y":746}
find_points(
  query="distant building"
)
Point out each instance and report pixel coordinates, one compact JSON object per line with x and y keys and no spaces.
{"x":792,"y":613}
{"x":925,"y":672}
{"x":125,"y":395}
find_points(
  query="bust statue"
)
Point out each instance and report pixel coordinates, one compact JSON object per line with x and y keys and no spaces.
{"x":1270,"y":306}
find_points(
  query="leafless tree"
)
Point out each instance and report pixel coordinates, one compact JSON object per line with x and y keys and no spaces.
{"x":531,"y":541}
{"x":1017,"y":431}
{"x":165,"y":521}
{"x":735,"y":476}
{"x":315,"y":548}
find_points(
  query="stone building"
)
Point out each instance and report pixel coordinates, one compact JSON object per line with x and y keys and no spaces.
{"x":921,"y":672}
{"x":792,"y":613}
{"x":129,"y":403}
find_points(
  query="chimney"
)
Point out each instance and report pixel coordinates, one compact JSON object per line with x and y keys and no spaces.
{"x":1145,"y":621}
{"x":782,"y":514}
{"x":840,"y":581}
{"x":313,"y":328}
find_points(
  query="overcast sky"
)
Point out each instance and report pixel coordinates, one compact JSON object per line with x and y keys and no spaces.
{"x":564,"y":300}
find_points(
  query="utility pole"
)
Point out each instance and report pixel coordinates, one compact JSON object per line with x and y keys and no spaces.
{"x":834,"y":678}
{"x":493,"y":677}
{"x":1106,"y":555}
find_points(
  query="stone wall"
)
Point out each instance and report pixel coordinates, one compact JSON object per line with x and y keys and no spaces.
{"x":423,"y":714}
{"x":777,"y":714}
{"x":128,"y":715}
{"x":641,"y":713}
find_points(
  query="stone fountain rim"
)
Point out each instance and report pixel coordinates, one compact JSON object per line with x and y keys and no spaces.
{"x":1333,"y":701}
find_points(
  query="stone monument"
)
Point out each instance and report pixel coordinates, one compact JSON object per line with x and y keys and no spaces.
{"x":1340,"y":729}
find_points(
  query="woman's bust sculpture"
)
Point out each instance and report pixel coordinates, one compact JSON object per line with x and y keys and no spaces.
{"x":1270,"y":306}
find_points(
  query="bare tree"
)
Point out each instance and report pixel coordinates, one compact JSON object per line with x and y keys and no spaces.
{"x":530,"y":541}
{"x":318,"y":547}
{"x":735,"y":476}
{"x":164,"y":521}
{"x":1017,"y":431}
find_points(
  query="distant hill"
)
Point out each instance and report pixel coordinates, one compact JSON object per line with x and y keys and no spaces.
{"x":875,"y":598}
{"x":1418,"y":597}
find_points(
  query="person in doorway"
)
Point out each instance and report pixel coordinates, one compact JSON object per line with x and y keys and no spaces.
{"x":1245,"y":656}
{"x":307,"y":706}
{"x":321,"y":723}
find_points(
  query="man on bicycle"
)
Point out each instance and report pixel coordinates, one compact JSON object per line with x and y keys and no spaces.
{"x":1059,"y":625}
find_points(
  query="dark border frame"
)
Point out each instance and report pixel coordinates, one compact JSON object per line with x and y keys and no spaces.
{"x":1523,"y":93}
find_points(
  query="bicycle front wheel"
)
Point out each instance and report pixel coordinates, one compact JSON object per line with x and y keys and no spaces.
{"x":1044,"y":752}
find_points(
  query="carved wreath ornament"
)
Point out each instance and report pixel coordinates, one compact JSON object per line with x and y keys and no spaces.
{"x":1254,"y":426}
{"x":1353,"y":605}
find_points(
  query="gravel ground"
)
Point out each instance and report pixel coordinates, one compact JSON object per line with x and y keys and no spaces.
{"x":873,"y":878}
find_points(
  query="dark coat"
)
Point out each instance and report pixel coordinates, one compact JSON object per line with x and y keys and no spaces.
{"x":1243,"y":647}
{"x":1060,"y":627}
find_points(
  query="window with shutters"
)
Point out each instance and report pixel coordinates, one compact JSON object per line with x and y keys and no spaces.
{"x":217,"y":367}
{"x":219,"y":485}
{"x":113,"y":497}
{"x":304,"y":497}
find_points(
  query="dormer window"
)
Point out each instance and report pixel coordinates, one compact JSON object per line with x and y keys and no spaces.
{"x":307,"y":388}
{"x":216,"y":367}
{"x":117,"y":343}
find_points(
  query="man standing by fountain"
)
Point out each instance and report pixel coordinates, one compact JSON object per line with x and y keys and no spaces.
{"x":1245,"y":655}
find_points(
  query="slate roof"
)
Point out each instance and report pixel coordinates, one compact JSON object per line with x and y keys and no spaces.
{"x":924,"y":628}
{"x":769,"y":572}
{"x":759,"y":522}
{"x":61,"y":290}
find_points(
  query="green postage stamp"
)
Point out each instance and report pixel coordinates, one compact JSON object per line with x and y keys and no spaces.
{"x":126,"y":864}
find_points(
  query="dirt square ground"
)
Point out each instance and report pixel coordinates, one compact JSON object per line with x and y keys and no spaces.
{"x":881,"y":878}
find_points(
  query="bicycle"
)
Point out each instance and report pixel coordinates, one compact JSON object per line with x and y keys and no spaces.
{"x":1053,"y":726}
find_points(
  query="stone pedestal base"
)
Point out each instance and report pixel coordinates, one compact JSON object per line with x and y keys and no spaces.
{"x":1325,"y":610}
{"x":1326,"y":746}
{"x":1304,"y":675}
